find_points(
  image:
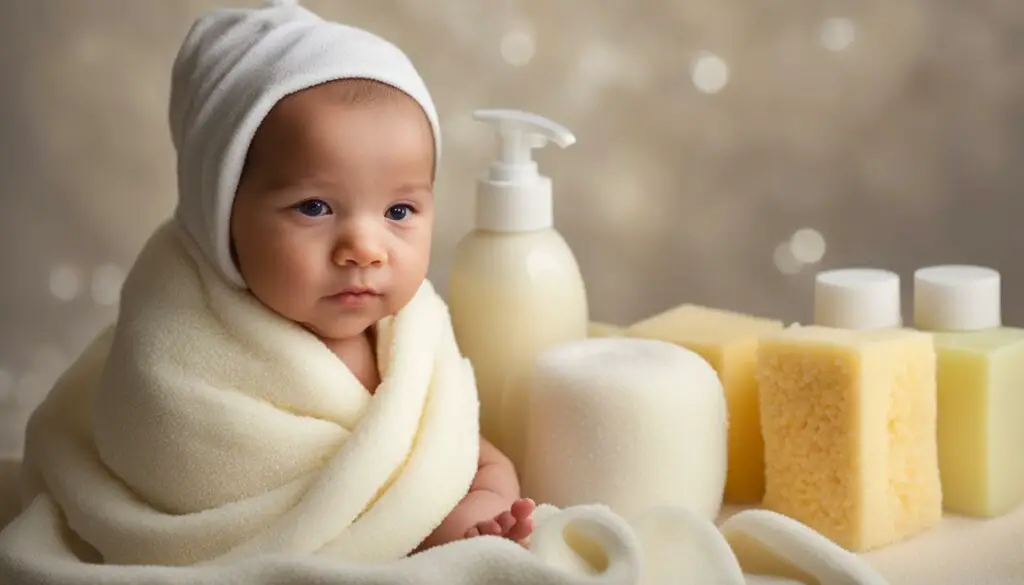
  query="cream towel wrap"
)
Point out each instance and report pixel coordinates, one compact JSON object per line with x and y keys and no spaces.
{"x":204,"y":428}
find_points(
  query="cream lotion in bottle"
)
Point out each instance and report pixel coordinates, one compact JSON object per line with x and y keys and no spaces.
{"x":515,"y":287}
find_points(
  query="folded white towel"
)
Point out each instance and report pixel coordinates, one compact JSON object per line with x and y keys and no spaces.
{"x":681,"y":547}
{"x":768,"y":543}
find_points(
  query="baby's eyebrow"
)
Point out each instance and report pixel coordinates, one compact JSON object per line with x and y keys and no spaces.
{"x":413,"y":188}
{"x":282,"y":183}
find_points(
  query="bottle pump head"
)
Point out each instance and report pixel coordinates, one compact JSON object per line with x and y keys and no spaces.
{"x":515,"y":196}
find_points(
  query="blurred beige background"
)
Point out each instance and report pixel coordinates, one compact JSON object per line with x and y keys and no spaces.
{"x":710,"y":132}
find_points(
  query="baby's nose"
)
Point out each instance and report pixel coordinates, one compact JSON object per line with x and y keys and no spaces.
{"x":360,"y":248}
{"x":362,"y":254}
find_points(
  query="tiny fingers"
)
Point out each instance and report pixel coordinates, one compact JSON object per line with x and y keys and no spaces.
{"x":521,"y":531}
{"x":506,"y":521}
{"x":523,"y":508}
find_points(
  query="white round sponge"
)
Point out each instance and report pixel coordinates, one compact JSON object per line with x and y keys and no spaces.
{"x":628,"y":423}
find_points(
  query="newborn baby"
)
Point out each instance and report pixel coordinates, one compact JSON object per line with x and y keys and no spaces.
{"x":282,"y":378}
{"x":331,"y":229}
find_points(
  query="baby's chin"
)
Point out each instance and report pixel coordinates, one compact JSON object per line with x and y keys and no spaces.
{"x":335,"y":327}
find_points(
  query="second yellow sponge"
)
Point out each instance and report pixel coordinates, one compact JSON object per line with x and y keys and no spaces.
{"x":849,"y":425}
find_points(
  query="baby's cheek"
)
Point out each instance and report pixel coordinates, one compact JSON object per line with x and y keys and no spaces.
{"x":283,"y":285}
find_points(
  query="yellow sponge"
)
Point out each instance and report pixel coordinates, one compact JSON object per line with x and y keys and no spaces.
{"x":849,"y":424}
{"x":728,"y":341}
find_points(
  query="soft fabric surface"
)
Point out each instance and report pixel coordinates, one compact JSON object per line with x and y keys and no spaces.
{"x":233,"y":66}
{"x":960,"y":551}
{"x":583,"y":545}
{"x":34,"y":551}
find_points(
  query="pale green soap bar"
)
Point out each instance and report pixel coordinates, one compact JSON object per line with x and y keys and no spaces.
{"x":981,"y":420}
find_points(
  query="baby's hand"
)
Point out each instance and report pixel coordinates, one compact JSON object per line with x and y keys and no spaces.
{"x":515,"y":524}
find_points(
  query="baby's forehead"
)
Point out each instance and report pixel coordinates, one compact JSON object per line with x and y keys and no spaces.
{"x":340,"y":124}
{"x":309,"y":111}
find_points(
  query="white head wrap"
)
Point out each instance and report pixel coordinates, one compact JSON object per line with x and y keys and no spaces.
{"x":232,"y":68}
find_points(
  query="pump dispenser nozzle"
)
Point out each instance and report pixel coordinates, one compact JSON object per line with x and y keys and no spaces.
{"x":515,"y":196}
{"x":519,"y":133}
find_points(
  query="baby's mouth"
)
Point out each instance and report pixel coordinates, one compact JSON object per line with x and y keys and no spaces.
{"x":355,"y":297}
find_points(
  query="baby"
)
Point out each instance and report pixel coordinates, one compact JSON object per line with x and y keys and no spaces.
{"x":281,"y":378}
{"x":331,"y":229}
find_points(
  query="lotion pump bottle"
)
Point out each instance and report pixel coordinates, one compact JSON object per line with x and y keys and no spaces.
{"x":516,"y":288}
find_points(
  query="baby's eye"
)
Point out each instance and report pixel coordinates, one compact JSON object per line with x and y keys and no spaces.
{"x":313,"y":208}
{"x":399,"y":212}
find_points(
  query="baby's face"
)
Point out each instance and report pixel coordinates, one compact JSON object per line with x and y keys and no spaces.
{"x":337,"y":198}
